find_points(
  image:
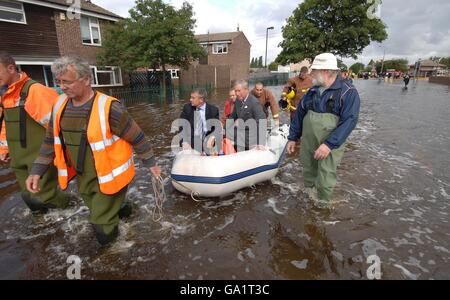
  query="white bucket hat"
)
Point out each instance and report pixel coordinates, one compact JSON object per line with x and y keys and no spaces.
{"x":325,"y":61}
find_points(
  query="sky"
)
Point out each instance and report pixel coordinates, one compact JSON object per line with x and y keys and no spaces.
{"x":416,"y":28}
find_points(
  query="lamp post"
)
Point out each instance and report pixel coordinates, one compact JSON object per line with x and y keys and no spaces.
{"x":267,"y":39}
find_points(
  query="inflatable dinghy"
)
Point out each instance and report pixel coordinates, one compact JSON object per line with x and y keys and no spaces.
{"x":216,"y":176}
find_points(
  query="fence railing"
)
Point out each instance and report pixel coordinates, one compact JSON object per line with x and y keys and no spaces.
{"x":272,"y":79}
{"x":130,"y":96}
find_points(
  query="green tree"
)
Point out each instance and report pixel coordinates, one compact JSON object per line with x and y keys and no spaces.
{"x":342,"y":27}
{"x":273,"y":66}
{"x":396,"y":64}
{"x":445,"y":61}
{"x":260,"y":62}
{"x":252,"y":63}
{"x":357,"y":67}
{"x":155,"y":35}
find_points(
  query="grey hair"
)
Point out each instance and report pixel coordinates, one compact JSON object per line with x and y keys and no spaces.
{"x":81,"y":66}
{"x":242,"y":83}
{"x":202,"y":93}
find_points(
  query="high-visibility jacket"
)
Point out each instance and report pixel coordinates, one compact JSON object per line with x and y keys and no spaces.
{"x":38,"y":105}
{"x":113,"y":156}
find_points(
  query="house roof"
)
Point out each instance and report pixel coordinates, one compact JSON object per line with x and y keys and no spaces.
{"x":430,"y":63}
{"x":217,"y":37}
{"x":86,"y":5}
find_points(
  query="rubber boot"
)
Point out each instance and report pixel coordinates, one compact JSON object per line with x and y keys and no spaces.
{"x":35,"y":205}
{"x":103,"y":238}
{"x":125,"y":210}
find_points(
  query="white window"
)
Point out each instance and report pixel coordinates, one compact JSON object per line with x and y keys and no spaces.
{"x":90,"y":31}
{"x":107,"y":76}
{"x":220,"y":48}
{"x":175,"y":73}
{"x":11,"y":11}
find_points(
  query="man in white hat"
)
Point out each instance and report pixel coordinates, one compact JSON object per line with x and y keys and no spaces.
{"x":325,"y":119}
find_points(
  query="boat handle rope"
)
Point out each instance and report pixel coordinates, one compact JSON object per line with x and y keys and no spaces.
{"x":194,"y":194}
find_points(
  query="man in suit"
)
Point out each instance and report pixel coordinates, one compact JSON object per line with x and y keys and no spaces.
{"x":199,"y":114}
{"x":246,"y":110}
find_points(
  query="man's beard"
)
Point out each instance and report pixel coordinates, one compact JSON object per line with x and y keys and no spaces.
{"x":318,"y":80}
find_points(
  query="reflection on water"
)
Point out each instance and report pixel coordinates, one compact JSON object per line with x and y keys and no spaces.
{"x":392,"y":200}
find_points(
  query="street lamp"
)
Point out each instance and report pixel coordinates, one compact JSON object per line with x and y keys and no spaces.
{"x":267,"y":38}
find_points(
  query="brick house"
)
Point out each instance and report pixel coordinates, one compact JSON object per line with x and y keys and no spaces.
{"x":427,"y":68}
{"x":36,"y":32}
{"x":228,"y":60}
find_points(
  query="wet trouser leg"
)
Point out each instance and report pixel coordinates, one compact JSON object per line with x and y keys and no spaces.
{"x":310,"y":165}
{"x":48,"y":197}
{"x":326,"y":175}
{"x":104,"y":213}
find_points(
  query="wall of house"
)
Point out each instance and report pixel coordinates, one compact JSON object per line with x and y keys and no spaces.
{"x":240,"y":56}
{"x":38,"y":37}
{"x":440,"y":80}
{"x":69,"y":38}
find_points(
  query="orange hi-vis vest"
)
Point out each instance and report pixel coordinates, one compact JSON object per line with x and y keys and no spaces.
{"x":113,"y":156}
{"x":39,"y":102}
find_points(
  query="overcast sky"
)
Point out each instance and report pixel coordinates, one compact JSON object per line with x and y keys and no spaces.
{"x":416,"y":28}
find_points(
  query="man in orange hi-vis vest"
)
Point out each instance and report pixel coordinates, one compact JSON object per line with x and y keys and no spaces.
{"x":91,"y":138}
{"x":25,"y":113}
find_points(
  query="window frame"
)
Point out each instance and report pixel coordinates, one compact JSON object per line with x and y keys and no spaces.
{"x":14,"y":10}
{"x":90,"y":25}
{"x":112,"y":70}
{"x":174,"y":73}
{"x":215,"y":49}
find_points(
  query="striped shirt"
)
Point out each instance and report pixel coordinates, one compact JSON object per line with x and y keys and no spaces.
{"x":74,"y":118}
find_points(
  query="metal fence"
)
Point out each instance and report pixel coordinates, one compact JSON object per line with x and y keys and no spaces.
{"x":272,"y":79}
{"x":130,"y":96}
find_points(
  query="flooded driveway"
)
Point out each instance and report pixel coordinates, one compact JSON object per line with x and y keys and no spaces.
{"x":392,"y":200}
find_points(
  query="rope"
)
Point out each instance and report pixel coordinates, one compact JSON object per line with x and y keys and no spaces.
{"x":194,"y":194}
{"x":160,"y":198}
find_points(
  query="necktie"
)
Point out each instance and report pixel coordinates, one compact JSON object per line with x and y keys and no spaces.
{"x":198,"y":123}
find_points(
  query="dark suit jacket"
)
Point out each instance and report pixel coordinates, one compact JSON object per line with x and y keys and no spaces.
{"x":251,"y":109}
{"x":211,"y":112}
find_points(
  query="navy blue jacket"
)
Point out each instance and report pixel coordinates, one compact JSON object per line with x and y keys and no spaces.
{"x":347,"y":110}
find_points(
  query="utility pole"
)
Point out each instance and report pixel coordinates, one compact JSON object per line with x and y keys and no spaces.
{"x":382,"y":63}
{"x":267,"y":39}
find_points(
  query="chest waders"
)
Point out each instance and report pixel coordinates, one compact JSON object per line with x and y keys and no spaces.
{"x":317,"y":127}
{"x":25,"y":136}
{"x":104,"y":209}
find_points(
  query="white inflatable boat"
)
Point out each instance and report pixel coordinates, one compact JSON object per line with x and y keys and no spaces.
{"x":216,"y":176}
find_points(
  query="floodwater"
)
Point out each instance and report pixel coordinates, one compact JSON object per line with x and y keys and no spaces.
{"x":392,"y":200}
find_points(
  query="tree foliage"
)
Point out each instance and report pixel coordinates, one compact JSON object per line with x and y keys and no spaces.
{"x":357,"y":67}
{"x":273,"y":66}
{"x":155,"y":35}
{"x":395,"y":64}
{"x":341,"y":27}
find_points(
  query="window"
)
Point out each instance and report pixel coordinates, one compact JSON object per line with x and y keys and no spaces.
{"x":107,"y":76}
{"x":175,"y":73}
{"x":220,"y":48}
{"x":11,"y":11}
{"x":90,"y":31}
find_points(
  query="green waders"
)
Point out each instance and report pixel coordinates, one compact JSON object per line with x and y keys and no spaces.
{"x":317,"y":127}
{"x":22,"y":159}
{"x":104,"y":208}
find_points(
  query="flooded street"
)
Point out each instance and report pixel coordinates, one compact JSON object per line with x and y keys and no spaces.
{"x":392,"y":200}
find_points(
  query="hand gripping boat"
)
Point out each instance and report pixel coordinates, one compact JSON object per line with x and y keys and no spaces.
{"x":216,"y":176}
